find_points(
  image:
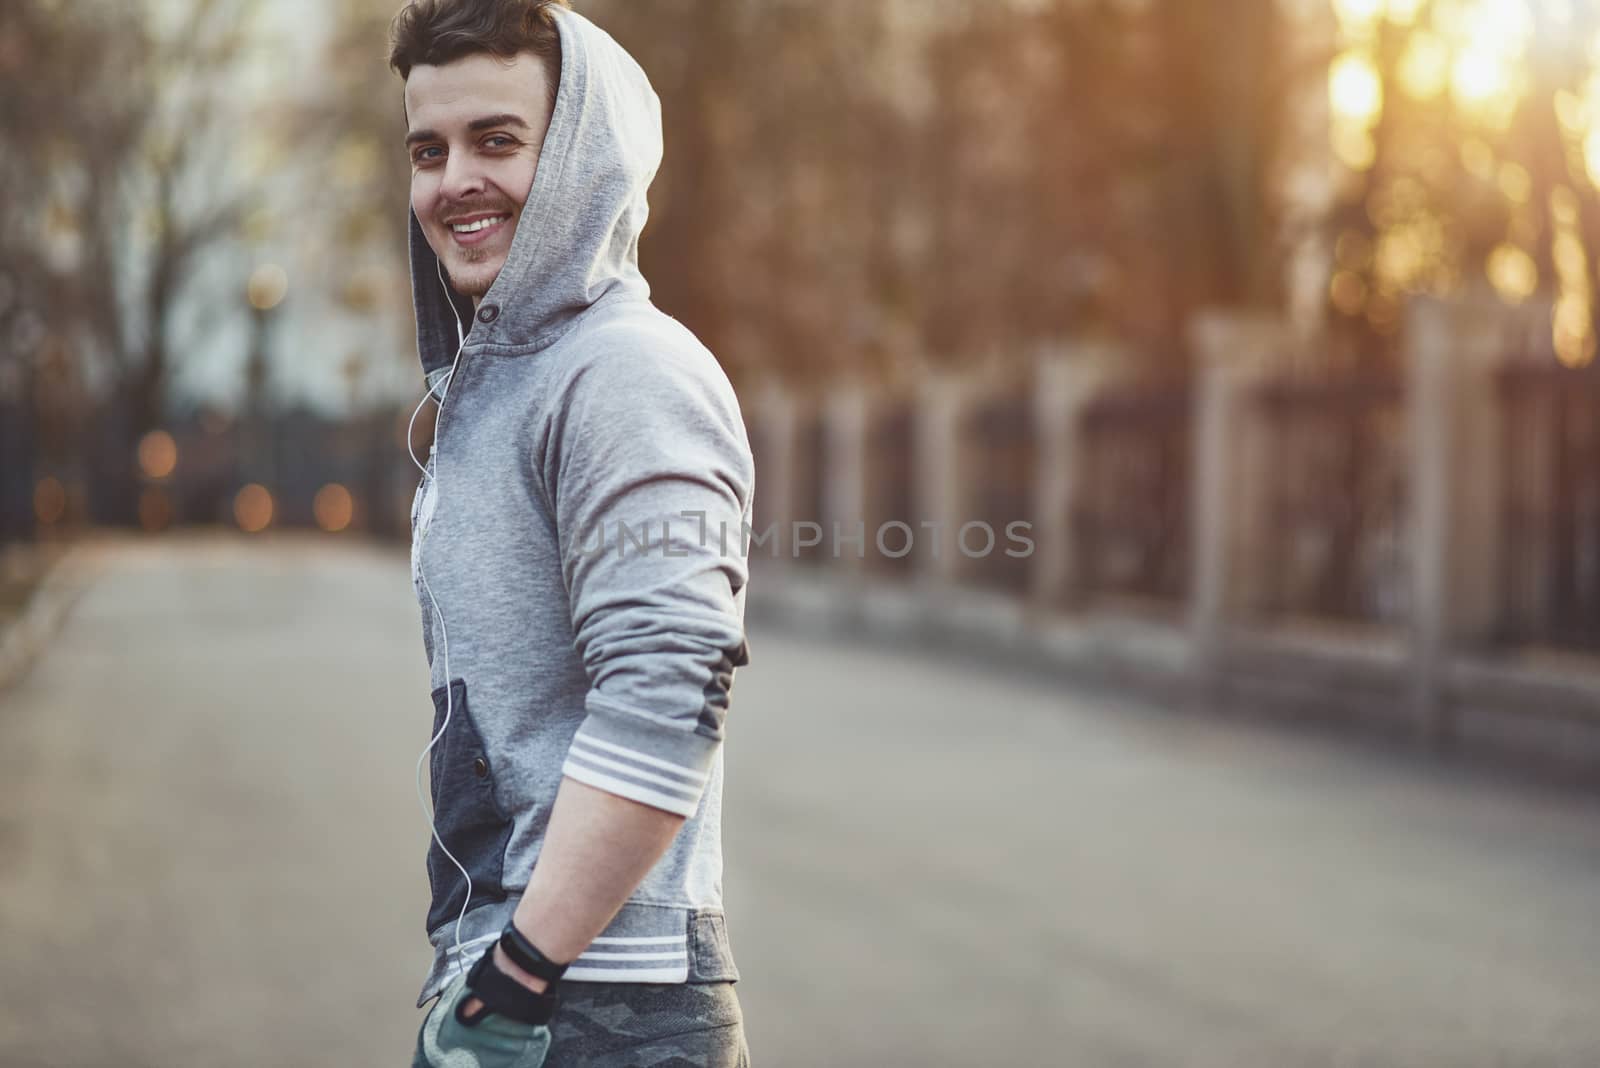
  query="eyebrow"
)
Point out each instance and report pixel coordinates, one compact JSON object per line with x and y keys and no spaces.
{"x":506,"y":119}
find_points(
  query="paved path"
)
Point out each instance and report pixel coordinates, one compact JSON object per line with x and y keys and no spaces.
{"x":211,"y":854}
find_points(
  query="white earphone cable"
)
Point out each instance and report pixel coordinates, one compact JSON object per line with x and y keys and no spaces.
{"x":438,"y":392}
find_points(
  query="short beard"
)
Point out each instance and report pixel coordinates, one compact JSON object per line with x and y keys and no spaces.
{"x":466,"y":291}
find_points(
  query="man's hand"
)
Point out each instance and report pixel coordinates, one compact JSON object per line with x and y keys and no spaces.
{"x":505,"y":964}
{"x":596,"y":850}
{"x":491,"y":1041}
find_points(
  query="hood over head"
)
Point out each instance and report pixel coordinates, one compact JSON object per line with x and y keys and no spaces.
{"x":577,"y":238}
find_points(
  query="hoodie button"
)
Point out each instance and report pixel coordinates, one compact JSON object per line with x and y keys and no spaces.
{"x":480,"y":767}
{"x":488,"y":313}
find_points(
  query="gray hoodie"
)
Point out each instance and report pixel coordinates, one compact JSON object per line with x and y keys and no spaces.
{"x":577,"y":546}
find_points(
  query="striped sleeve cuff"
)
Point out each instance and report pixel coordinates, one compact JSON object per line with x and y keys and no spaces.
{"x":632,"y":755}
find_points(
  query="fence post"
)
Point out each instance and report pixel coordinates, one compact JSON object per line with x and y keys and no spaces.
{"x":1457,"y":457}
{"x":1234,"y":354}
{"x":1067,"y":380}
{"x":844,"y":490}
{"x":939,"y":462}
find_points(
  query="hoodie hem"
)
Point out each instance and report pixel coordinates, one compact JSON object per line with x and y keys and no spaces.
{"x":644,"y":943}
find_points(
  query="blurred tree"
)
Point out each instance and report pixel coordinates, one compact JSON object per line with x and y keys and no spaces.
{"x":168,"y":203}
{"x":358,"y":123}
{"x":126,"y":125}
{"x":858,"y":188}
{"x":1113,"y":162}
{"x":1220,"y":129}
{"x":848,"y":181}
{"x":41,"y":401}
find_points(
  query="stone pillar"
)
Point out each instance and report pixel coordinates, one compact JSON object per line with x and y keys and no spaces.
{"x":1456,"y":476}
{"x":1235,"y":354}
{"x":940,"y":472}
{"x":1066,"y":380}
{"x":844,"y":427}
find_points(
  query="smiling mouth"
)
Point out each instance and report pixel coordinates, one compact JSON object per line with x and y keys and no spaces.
{"x":476,"y":230}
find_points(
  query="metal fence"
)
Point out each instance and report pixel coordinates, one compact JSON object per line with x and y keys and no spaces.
{"x":1333,"y":518}
{"x":1002,"y":435}
{"x":811,"y":505}
{"x":1550,"y":563}
{"x":17,"y":471}
{"x":1131,"y":524}
{"x":891,"y":488}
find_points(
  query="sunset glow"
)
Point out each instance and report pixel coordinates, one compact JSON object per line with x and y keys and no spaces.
{"x":1473,"y":65}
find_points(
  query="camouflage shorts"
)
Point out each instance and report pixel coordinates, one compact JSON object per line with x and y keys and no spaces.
{"x":646,"y":1025}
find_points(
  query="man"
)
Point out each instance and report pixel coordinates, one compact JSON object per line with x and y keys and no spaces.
{"x":578,"y":555}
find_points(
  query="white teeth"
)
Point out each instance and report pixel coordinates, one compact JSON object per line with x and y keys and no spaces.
{"x":474,"y":227}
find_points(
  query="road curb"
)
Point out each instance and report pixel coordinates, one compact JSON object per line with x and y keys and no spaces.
{"x":25,"y":638}
{"x":1347,"y":687}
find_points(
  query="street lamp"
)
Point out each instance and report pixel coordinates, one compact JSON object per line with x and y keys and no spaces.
{"x":268,"y":285}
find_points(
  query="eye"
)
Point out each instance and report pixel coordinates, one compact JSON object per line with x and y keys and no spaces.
{"x":421,"y":155}
{"x":506,"y":142}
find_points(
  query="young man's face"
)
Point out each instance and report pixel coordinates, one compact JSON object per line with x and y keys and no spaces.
{"x":476,"y":126}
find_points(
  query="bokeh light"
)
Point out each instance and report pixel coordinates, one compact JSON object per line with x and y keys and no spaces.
{"x":1354,"y":88}
{"x":1403,"y":12}
{"x":252,"y":508}
{"x":1502,"y":24}
{"x":1515,"y":182}
{"x":1564,"y":206}
{"x":158,"y":454}
{"x":1570,"y":257}
{"x":1478,"y":77}
{"x":1425,"y":66}
{"x":333,"y":507}
{"x":1513,"y":273}
{"x":1358,"y":13}
{"x":268,"y":285}
{"x":1354,"y":146}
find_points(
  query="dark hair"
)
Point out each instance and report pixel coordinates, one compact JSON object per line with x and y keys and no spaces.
{"x":434,"y":32}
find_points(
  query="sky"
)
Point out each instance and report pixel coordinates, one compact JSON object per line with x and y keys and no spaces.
{"x":312,"y":341}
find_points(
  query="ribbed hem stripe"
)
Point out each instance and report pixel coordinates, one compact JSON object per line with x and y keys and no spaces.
{"x":637,"y":776}
{"x":659,"y":959}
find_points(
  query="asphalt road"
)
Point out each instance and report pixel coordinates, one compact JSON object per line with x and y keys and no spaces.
{"x":211,"y":853}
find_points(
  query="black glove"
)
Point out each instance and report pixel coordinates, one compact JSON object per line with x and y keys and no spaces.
{"x":502,"y":994}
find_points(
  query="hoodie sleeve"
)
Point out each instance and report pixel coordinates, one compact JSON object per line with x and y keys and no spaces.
{"x":651,"y":478}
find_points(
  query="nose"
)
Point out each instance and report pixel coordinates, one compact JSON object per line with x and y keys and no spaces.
{"x":463,"y":178}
